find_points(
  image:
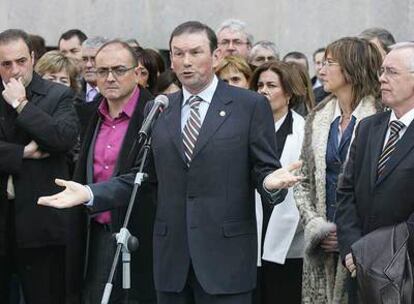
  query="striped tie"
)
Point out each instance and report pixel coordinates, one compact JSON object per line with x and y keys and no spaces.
{"x":395,"y":128}
{"x":192,"y":128}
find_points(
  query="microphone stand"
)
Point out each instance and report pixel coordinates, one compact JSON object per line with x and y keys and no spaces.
{"x":125,"y":241}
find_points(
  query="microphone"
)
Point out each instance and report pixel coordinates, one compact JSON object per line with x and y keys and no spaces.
{"x":160,"y":102}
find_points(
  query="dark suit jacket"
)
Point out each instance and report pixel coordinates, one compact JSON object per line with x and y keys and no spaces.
{"x":366,"y":203}
{"x":206,"y":213}
{"x":50,"y":119}
{"x":142,"y":218}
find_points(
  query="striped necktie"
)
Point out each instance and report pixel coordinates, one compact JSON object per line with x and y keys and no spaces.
{"x":395,"y":128}
{"x":192,"y":128}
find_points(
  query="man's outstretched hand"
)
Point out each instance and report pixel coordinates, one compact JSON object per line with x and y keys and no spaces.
{"x":284,"y":177}
{"x":74,"y":194}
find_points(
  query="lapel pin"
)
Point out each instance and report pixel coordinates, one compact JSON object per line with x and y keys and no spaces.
{"x":222,"y":113}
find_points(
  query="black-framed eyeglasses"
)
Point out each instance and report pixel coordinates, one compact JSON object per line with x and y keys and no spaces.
{"x":117,"y":71}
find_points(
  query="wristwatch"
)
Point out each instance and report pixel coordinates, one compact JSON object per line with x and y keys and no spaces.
{"x":18,"y":101}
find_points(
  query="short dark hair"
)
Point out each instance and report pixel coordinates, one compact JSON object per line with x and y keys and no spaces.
{"x":296,"y":55}
{"x":14,"y":35}
{"x":190,"y":27}
{"x":165,"y":79}
{"x":320,"y":50}
{"x":73,"y":33}
{"x":124,"y":45}
{"x":385,"y":38}
{"x":39,"y":46}
{"x":158,"y":59}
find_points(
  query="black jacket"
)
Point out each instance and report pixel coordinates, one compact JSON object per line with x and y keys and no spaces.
{"x":142,"y":218}
{"x":384,"y":271}
{"x":49,"y":119}
{"x":365,"y":202}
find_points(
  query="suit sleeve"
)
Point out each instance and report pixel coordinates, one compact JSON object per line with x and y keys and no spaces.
{"x":11,"y":157}
{"x":346,"y":217}
{"x":56,"y":132}
{"x":117,"y":191}
{"x":262,"y":145}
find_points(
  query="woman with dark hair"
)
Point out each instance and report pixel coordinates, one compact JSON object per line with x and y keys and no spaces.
{"x":158,"y":59}
{"x":280,"y":233}
{"x":307,"y":102}
{"x":148,"y":67}
{"x":349,"y":73}
{"x":167,"y":83}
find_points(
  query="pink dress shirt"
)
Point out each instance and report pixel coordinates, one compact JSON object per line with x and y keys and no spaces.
{"x":109,"y":142}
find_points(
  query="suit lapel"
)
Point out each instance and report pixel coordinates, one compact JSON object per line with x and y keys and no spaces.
{"x":173,"y":119}
{"x":217,"y":113}
{"x":91,"y":152}
{"x":376,"y":143}
{"x":404,"y":145}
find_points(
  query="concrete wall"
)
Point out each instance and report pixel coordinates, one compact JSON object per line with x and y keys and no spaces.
{"x":302,"y":25}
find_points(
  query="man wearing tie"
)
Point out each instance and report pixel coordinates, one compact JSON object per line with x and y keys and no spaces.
{"x":211,"y":148}
{"x":376,"y":188}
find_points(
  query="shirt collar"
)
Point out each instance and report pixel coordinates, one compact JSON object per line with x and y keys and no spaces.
{"x":338,"y":112}
{"x":90,"y":88}
{"x":128,"y":108}
{"x":206,"y":94}
{"x":279,"y":123}
{"x":406,"y":119}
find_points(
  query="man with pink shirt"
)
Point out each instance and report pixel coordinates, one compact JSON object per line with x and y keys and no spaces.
{"x":106,"y":152}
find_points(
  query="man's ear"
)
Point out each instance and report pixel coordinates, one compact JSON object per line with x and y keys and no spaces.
{"x":217,"y":56}
{"x":172,"y":62}
{"x":32,"y":55}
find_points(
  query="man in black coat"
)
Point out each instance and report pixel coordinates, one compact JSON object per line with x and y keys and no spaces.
{"x":38,"y":126}
{"x":110,"y":141}
{"x":375,"y":190}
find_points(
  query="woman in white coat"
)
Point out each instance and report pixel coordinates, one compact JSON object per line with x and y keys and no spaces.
{"x":279,"y":232}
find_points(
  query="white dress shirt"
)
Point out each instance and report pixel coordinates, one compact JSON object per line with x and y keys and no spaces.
{"x":206,"y":95}
{"x":406,"y":119}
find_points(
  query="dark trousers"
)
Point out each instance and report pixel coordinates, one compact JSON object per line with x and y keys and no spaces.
{"x":42,"y":274}
{"x":279,"y":283}
{"x":102,"y":248}
{"x":193,"y":293}
{"x":40,"y":271}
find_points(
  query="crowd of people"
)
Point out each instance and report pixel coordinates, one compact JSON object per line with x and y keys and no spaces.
{"x":265,"y":185}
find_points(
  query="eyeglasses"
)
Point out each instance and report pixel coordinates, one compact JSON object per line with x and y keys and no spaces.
{"x":236,"y":42}
{"x":329,"y":63}
{"x":390,"y":72}
{"x":117,"y":71}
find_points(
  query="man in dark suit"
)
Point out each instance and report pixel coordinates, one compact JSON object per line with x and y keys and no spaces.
{"x":106,"y":151}
{"x":204,"y":234}
{"x":376,"y":188}
{"x":38,"y":126}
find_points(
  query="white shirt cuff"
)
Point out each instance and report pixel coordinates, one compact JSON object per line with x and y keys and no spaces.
{"x":90,"y":203}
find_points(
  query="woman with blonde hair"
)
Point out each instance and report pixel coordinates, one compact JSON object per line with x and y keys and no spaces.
{"x":54,"y":66}
{"x":349,"y":73}
{"x":235,"y":71}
